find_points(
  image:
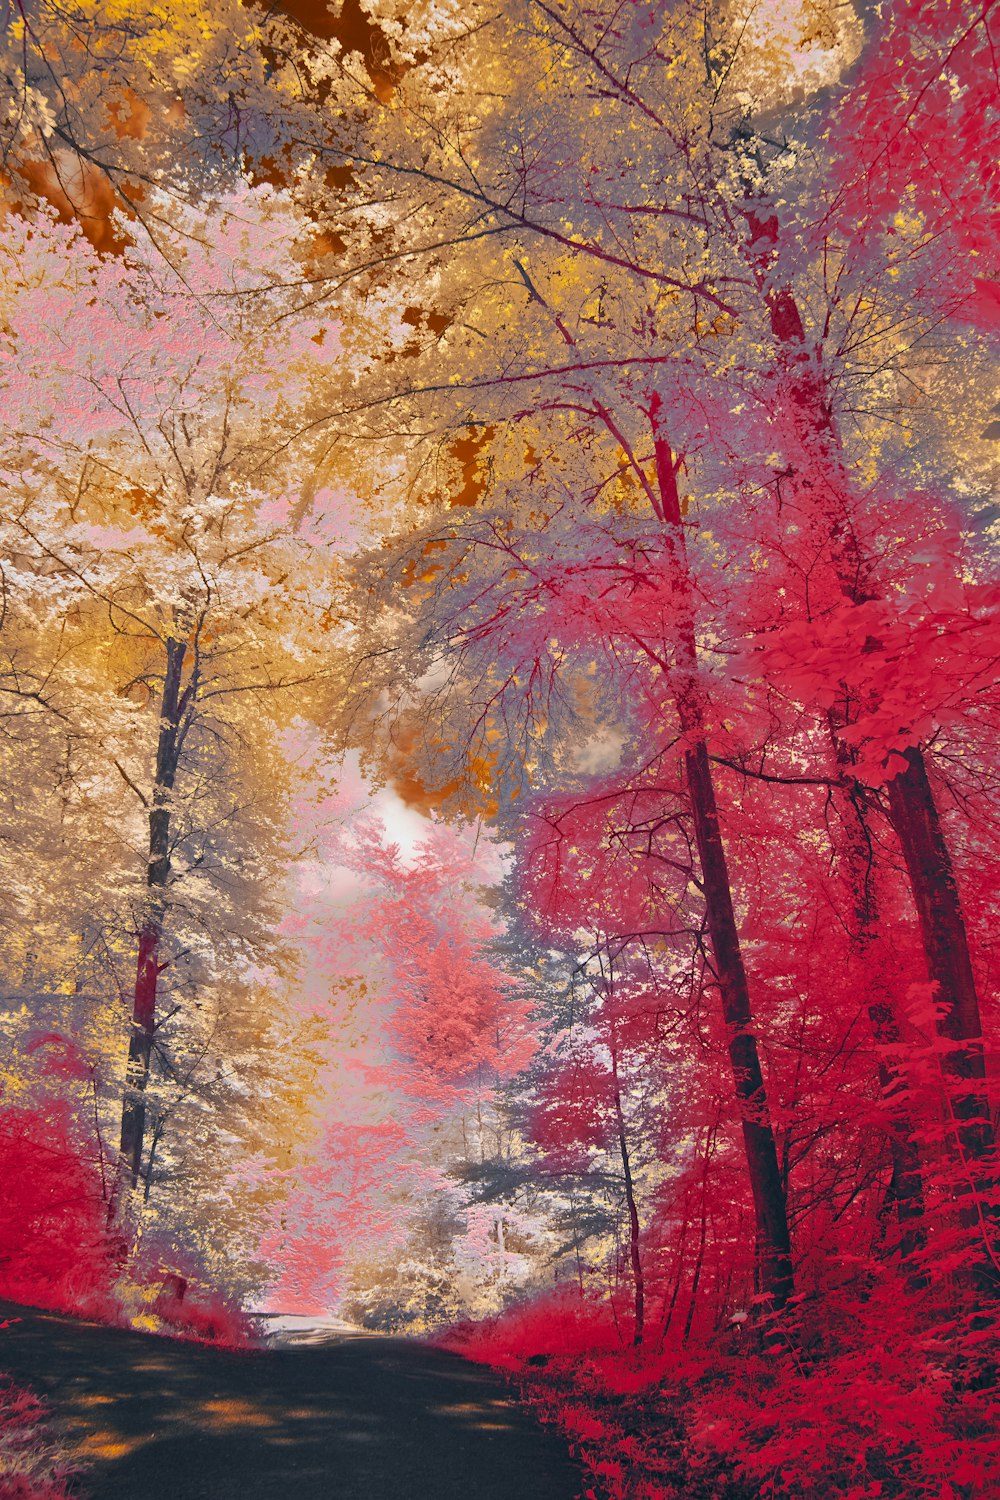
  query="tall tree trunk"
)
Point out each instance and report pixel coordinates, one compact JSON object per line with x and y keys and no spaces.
{"x":912,"y":805}
{"x":173,"y":702}
{"x":869,"y":962}
{"x":774,"y":1262}
{"x":773,"y":1247}
{"x":635,"y":1254}
{"x":906,"y":1185}
{"x":917,"y":823}
{"x":140,"y":1048}
{"x":699,"y":1261}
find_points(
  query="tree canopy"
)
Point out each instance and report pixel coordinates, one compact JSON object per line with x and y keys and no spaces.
{"x":499,"y":686}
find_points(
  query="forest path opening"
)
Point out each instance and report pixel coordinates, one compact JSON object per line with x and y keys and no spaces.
{"x":356,"y":1418}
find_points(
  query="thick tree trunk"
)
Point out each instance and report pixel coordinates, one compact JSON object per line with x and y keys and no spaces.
{"x":906,"y":1185}
{"x":773,"y":1248}
{"x":913,"y":809}
{"x":869,"y":966}
{"x":917,"y":823}
{"x":133,"y":1130}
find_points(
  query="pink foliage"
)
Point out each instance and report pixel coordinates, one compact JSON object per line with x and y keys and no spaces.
{"x":339,"y":1205}
{"x":454,"y":1015}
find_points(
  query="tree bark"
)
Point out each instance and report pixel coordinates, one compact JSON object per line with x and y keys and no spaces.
{"x":906,"y":1183}
{"x":869,"y":963}
{"x":917,"y":823}
{"x":773,"y":1247}
{"x":774,"y":1263}
{"x":635,"y":1254}
{"x":913,"y":810}
{"x":173,"y":703}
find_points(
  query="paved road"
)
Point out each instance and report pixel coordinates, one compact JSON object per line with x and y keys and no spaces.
{"x":349,"y":1419}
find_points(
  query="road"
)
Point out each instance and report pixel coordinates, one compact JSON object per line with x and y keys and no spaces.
{"x":348,"y":1418}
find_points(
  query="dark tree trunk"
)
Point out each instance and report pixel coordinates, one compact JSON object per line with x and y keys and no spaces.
{"x":773,"y":1248}
{"x":774,"y":1263}
{"x":906,"y":1184}
{"x":140,"y":1049}
{"x":634,"y":1250}
{"x":913,"y":809}
{"x":870,"y":967}
{"x":173,"y":703}
{"x":917,"y":823}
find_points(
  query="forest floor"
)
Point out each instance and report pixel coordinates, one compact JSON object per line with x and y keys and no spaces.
{"x":347,"y":1418}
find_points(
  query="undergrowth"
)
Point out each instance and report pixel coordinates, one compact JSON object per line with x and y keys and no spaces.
{"x":893,"y":1399}
{"x":33,"y":1463}
{"x":57,"y":1252}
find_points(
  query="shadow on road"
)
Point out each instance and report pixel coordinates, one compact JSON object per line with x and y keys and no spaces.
{"x":351,"y":1419}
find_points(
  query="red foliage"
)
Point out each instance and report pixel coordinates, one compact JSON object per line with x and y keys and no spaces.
{"x":770,"y":683}
{"x":896,"y":1406}
{"x":31,"y":1467}
{"x":565,"y":1326}
{"x":55,"y":1250}
{"x":187,"y":1307}
{"x":921,"y":112}
{"x":207,"y":1317}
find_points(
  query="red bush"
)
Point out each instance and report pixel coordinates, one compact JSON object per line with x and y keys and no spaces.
{"x":55,"y":1250}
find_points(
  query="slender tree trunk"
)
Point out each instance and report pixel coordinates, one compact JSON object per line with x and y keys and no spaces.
{"x":710,"y":1140}
{"x":140,"y":1048}
{"x":773,"y":1244}
{"x":698,"y":1263}
{"x":148,"y":967}
{"x":773,"y":1249}
{"x":668,"y":1315}
{"x":635,"y":1254}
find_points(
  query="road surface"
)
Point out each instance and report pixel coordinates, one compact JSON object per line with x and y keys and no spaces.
{"x":349,"y":1418}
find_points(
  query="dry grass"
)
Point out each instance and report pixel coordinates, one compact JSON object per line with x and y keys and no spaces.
{"x":33,"y":1463}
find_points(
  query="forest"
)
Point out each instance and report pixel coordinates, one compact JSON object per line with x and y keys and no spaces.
{"x":499,"y":696}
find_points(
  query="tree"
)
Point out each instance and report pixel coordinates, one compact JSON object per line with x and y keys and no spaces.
{"x":138,"y":500}
{"x":602,"y":350}
{"x":820,"y":482}
{"x":112,"y":113}
{"x":609,"y":400}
